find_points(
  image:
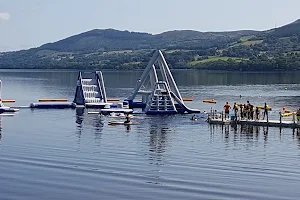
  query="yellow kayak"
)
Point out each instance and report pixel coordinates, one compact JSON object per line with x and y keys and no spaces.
{"x":263,"y":107}
{"x":288,"y":114}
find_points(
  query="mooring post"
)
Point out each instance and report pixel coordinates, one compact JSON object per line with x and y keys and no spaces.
{"x":222,"y":117}
{"x":211,"y":113}
{"x":280,"y":118}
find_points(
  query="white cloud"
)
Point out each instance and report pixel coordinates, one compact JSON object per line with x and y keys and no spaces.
{"x":4,"y":16}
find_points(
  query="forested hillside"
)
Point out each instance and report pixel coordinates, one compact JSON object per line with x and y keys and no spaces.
{"x":276,"y":49}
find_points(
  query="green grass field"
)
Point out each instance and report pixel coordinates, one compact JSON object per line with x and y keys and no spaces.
{"x":215,"y":58}
{"x":254,"y":42}
{"x":246,"y":38}
{"x":247,"y":43}
{"x":177,"y":50}
{"x":131,"y":63}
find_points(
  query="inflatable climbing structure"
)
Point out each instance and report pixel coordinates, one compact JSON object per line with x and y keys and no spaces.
{"x":90,"y":90}
{"x":157,"y":90}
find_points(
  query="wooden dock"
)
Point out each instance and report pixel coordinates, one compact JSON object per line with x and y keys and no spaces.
{"x":270,"y":123}
{"x":219,"y":119}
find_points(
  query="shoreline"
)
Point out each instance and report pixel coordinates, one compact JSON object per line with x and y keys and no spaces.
{"x":123,"y":70}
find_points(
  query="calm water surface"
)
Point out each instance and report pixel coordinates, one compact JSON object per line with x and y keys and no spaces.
{"x":70,"y":154}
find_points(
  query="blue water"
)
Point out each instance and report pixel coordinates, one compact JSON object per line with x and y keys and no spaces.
{"x":70,"y":154}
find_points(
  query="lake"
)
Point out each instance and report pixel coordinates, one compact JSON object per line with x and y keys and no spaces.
{"x":70,"y":154}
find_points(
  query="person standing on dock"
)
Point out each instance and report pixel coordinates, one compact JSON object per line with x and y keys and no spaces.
{"x":248,"y":114}
{"x":241,"y":111}
{"x":298,"y":115}
{"x":266,"y":112}
{"x":257,"y":113}
{"x":251,"y":111}
{"x":236,"y":109}
{"x":245,"y":111}
{"x":227,"y":109}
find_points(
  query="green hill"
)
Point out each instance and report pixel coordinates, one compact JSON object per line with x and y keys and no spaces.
{"x":275,"y":49}
{"x":112,"y":40}
{"x":287,"y":30}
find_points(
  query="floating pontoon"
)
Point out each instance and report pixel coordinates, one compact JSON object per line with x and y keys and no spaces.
{"x":52,"y":105}
{"x":158,"y":90}
{"x":3,"y":108}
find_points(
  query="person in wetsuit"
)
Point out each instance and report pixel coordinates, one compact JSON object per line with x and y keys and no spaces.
{"x":194,"y":118}
{"x":257,"y":113}
{"x":128,"y":118}
{"x":266,"y":112}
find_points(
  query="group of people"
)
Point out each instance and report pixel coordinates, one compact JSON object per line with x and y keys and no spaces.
{"x":246,"y":111}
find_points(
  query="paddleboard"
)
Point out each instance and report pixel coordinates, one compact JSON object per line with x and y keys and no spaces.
{"x":209,"y":101}
{"x":122,"y":123}
{"x":119,"y":115}
{"x":7,"y":114}
{"x":92,"y":112}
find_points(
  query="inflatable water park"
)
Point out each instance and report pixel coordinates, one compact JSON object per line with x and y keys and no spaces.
{"x":155,"y":93}
{"x":156,"y":87}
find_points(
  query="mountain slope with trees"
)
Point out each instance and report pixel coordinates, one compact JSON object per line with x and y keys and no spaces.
{"x":276,"y":49}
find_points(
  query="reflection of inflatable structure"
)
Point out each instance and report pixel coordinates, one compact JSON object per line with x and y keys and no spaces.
{"x":90,"y":90}
{"x":158,"y":90}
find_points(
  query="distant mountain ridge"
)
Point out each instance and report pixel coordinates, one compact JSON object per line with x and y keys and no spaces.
{"x":287,"y":30}
{"x":111,"y":39}
{"x":115,"y":49}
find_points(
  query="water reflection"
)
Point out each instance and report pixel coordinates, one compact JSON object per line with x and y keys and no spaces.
{"x":93,"y":120}
{"x":0,"y":129}
{"x":79,"y":117}
{"x":250,"y":134}
{"x":128,"y":128}
{"x":127,"y":79}
{"x":201,"y":77}
{"x":296,"y":135}
{"x":158,"y":139}
{"x":266,"y":133}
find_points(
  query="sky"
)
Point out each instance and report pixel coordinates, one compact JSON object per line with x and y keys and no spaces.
{"x":30,"y":23}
